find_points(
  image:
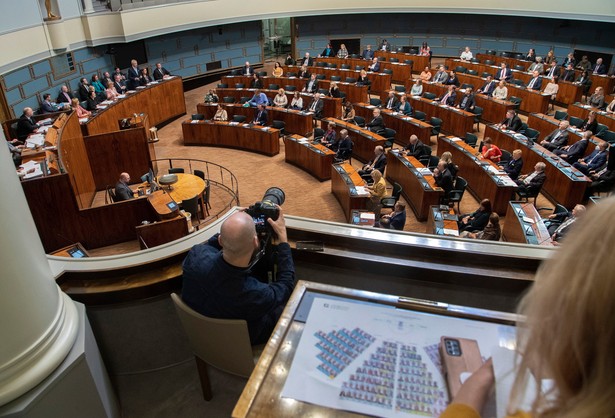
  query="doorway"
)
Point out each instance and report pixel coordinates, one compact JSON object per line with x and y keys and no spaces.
{"x":277,"y":39}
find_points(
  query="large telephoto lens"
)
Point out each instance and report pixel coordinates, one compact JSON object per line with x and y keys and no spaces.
{"x":274,"y":195}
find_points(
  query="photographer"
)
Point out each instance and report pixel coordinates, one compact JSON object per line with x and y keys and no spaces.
{"x":218,"y":279}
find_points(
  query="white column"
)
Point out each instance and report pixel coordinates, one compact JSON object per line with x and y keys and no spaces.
{"x":88,"y":7}
{"x":38,"y":323}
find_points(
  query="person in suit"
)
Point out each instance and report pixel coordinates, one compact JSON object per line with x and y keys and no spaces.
{"x":569,"y":60}
{"x":307,"y":60}
{"x":477,"y":220}
{"x":603,"y":181}
{"x":132,"y":77}
{"x":260,"y":115}
{"x":334,"y":90}
{"x":511,"y":122}
{"x":394,"y":220}
{"x":531,"y":55}
{"x":415,"y":147}
{"x":247,"y":69}
{"x":491,"y":232}
{"x":504,"y":73}
{"x":289,"y":60}
{"x":452,"y":79}
{"x":92,"y":100}
{"x":537,"y":66}
{"x":467,"y":101}
{"x":391,"y":102}
{"x":311,"y":86}
{"x":303,"y":72}
{"x":26,"y":124}
{"x":119,"y":72}
{"x":536,"y":82}
{"x":344,"y":148}
{"x":572,"y":153}
{"x":119,"y":84}
{"x":443,"y":177}
{"x":83,"y":89}
{"x":558,"y":138}
{"x":384,"y":46}
{"x":374,"y":66}
{"x":450,"y":97}
{"x":46,"y":105}
{"x":106,"y":78}
{"x":122,"y":191}
{"x":368,"y":54}
{"x":568,"y":74}
{"x":531,"y":183}
{"x":379,"y":162}
{"x":584,"y":81}
{"x":514,"y":166}
{"x":564,"y":223}
{"x":599,"y":68}
{"x":488,"y":87}
{"x":377,"y":189}
{"x":590,"y":123}
{"x":377,"y":123}
{"x":160,"y":72}
{"x":144,"y":77}
{"x":317,"y":105}
{"x":65,"y":95}
{"x":553,"y":71}
{"x":441,"y":76}
{"x":328,"y":51}
{"x":593,"y":161}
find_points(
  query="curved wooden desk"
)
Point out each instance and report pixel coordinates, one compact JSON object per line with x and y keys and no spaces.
{"x":316,"y":159}
{"x":419,"y":61}
{"x":581,"y":111}
{"x":187,"y":187}
{"x":263,"y":140}
{"x":404,"y":126}
{"x":454,"y":121}
{"x":161,"y":101}
{"x":379,"y":81}
{"x":516,"y":229}
{"x":363,"y":139}
{"x":401,"y":71}
{"x":344,"y":182}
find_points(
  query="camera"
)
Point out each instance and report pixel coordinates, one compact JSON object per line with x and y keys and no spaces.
{"x":266,"y":208}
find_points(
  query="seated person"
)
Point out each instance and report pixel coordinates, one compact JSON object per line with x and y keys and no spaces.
{"x":256,"y":82}
{"x":532,"y":183}
{"x":568,"y":74}
{"x":368,"y":54}
{"x":81,"y":112}
{"x":260,"y":116}
{"x":610,"y":109}
{"x":467,"y":102}
{"x":144,"y":77}
{"x":504,"y":73}
{"x":552,"y":88}
{"x":329,"y":138}
{"x":328,"y":51}
{"x":259,"y":98}
{"x":537,"y":66}
{"x":46,"y":105}
{"x":559,"y":224}
{"x":491,"y":232}
{"x":342,"y":52}
{"x":334,"y":90}
{"x":391,"y":101}
{"x":404,"y":106}
{"x":593,"y":161}
{"x":363,"y":79}
{"x":441,"y":76}
{"x":278,"y":71}
{"x":289,"y":60}
{"x":487,"y":88}
{"x":447,"y":157}
{"x":306,"y":60}
{"x":450,"y":97}
{"x":111,"y":92}
{"x":218,"y":280}
{"x":558,"y":138}
{"x":590,"y":123}
{"x":572,"y":153}
{"x":122,"y":191}
{"x":394,"y":220}
{"x":501,"y":91}
{"x":553,"y":70}
{"x":160,"y":72}
{"x":377,"y":123}
{"x":317,"y":105}
{"x":379,"y":162}
{"x":92,"y":101}
{"x":443,"y":177}
{"x":303,"y":72}
{"x":280,"y":99}
{"x":26,"y":124}
{"x":476,"y":220}
{"x":425,"y":75}
{"x":221,"y":114}
{"x":97,"y":84}
{"x":603,"y":181}
{"x":344,"y":147}
{"x":348,"y":112}
{"x":452,"y":79}
{"x":512,"y":122}
{"x":597,"y":99}
{"x":211,"y":97}
{"x":65,"y":95}
{"x":374,"y":66}
{"x":535,"y":82}
{"x":466,"y":55}
{"x":491,"y":151}
{"x":417,"y":88}
{"x":415,"y":147}
{"x":377,"y":189}
{"x":514,"y":166}
{"x":311,"y":86}
{"x":297,"y":101}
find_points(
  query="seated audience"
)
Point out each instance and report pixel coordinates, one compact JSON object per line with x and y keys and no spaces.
{"x":487,"y":88}
{"x":597,"y":99}
{"x":368,"y":54}
{"x":122,"y":191}
{"x":467,"y":102}
{"x":560,"y":224}
{"x":377,"y":163}
{"x":536,"y":81}
{"x":550,"y":57}
{"x":307,"y":60}
{"x":26,"y":124}
{"x":532,"y":183}
{"x":590,"y":123}
{"x":334,"y":90}
{"x":311,"y":86}
{"x":514,"y":166}
{"x":256,"y":82}
{"x":553,"y":70}
{"x":425,"y":50}
{"x":46,"y":105}
{"x":374,"y":66}
{"x":501,"y":91}
{"x":603,"y":181}
{"x":259,"y":98}
{"x":278,"y":71}
{"x":415,"y":147}
{"x":417,"y":88}
{"x":384,"y":46}
{"x":531,"y":55}
{"x":344,"y":148}
{"x":593,"y":161}
{"x":391,"y":102}
{"x":260,"y":115}
{"x":610,"y":109}
{"x":572,"y":153}
{"x":584,"y":64}
{"x":280,"y":99}
{"x":84,"y":89}
{"x":569,"y":60}
{"x":552,"y":88}
{"x":466,"y":55}
{"x":348,"y":112}
{"x":452,"y":79}
{"x":450,"y":97}
{"x":144,"y":77}
{"x":404,"y":106}
{"x":92,"y":100}
{"x":447,"y":157}
{"x":342,"y":52}
{"x":160,"y":72}
{"x":504,"y":73}
{"x":119,"y":84}
{"x":81,"y":112}
{"x":558,"y":138}
{"x":491,"y":151}
{"x":377,"y":123}
{"x":297,"y":101}
{"x":317,"y":105}
{"x":443,"y":177}
{"x":568,"y":74}
{"x":221,"y":114}
{"x":599,"y":67}
{"x":65,"y":95}
{"x":584,"y":81}
{"x":537,"y":66}
{"x":303,"y":72}
{"x":111,"y":92}
{"x":328,"y":51}
{"x":211,"y":97}
{"x":425,"y":74}
{"x":477,"y":220}
{"x":394,"y":220}
{"x":441,"y":76}
{"x":247,"y":69}
{"x":512,"y":122}
{"x":363,"y":79}
{"x":329,"y":138}
{"x":96,"y":83}
{"x":491,"y":232}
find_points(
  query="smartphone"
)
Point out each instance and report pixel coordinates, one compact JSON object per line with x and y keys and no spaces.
{"x":459,"y":356}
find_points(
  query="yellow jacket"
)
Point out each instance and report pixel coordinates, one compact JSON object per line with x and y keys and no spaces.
{"x":458,"y":410}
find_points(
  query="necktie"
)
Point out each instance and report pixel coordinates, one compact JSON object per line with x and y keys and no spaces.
{"x":551,"y":72}
{"x":313,"y":106}
{"x":390,"y":103}
{"x":529,"y":86}
{"x":501,"y":74}
{"x":596,"y":70}
{"x":445,"y":98}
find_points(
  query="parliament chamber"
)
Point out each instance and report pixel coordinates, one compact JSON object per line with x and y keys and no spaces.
{"x":133,"y":250}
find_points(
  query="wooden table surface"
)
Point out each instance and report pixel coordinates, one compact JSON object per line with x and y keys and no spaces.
{"x":364,"y":140}
{"x":454,"y":121}
{"x":581,"y":111}
{"x":419,"y":61}
{"x":517,"y":230}
{"x":379,"y":81}
{"x":401,"y":71}
{"x":316,"y":159}
{"x":404,"y":126}
{"x":436,"y":224}
{"x":344,"y":179}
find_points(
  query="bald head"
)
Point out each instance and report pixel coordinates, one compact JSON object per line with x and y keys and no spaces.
{"x":238,"y":237}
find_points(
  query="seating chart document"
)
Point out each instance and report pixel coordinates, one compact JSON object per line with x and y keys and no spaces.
{"x":380,"y":361}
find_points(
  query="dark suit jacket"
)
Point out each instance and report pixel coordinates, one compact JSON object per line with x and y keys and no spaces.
{"x":451,"y":99}
{"x":452,"y":80}
{"x":537,"y":84}
{"x":247,"y":70}
{"x":599,"y":69}
{"x":83,"y":91}
{"x":556,"y":72}
{"x":594,"y":161}
{"x":320,"y":104}
{"x":304,"y":74}
{"x":160,"y":73}
{"x":260,"y":117}
{"x":536,"y":183}
{"x":379,"y":162}
{"x":256,"y":84}
{"x":91,"y":104}
{"x":314,"y":88}
{"x":567,"y":75}
{"x":488,"y":88}
{"x":575,"y":151}
{"x":444,"y":179}
{"x":62,"y":98}
{"x":513,"y":123}
{"x":506,"y":76}
{"x":387,"y":47}
{"x":587,"y":126}
{"x":307,"y":61}
{"x":467,"y":102}
{"x":477,"y":222}
{"x":374,"y":68}
{"x":559,"y":142}
{"x":25,"y":126}
{"x":394,"y":103}
{"x":123,"y":192}
{"x":513,"y":168}
{"x":47,"y":107}
{"x":132,"y":79}
{"x":344,"y":149}
{"x":416,"y":150}
{"x":376,"y":124}
{"x":120,"y":87}
{"x":368,"y":55}
{"x":397,"y":221}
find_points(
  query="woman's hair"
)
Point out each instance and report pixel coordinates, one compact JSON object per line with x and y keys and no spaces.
{"x":486,"y":204}
{"x":74,"y":102}
{"x":568,"y":335}
{"x":447,"y":157}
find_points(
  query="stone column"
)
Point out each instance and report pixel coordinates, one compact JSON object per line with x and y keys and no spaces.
{"x":88,"y":7}
{"x":39,"y":323}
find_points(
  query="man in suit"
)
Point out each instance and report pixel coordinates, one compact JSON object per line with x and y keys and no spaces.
{"x":374,"y":66}
{"x":384,"y":46}
{"x":553,"y":71}
{"x":379,"y":162}
{"x":568,"y":74}
{"x":450,"y":97}
{"x":303,"y":72}
{"x":247,"y":69}
{"x":377,"y":123}
{"x":317,"y":105}
{"x":46,"y":105}
{"x":593,"y":161}
{"x":537,"y":66}
{"x":160,"y":72}
{"x":395,"y":219}
{"x":368,"y":54}
{"x":504,"y":73}
{"x":572,"y":153}
{"x":344,"y":147}
{"x":119,"y":84}
{"x":132,"y":78}
{"x":106,"y":78}
{"x":392,"y":103}
{"x":564,"y":222}
{"x":514,"y":166}
{"x":415,"y":147}
{"x":467,"y":102}
{"x":443,"y":177}
{"x":122,"y":191}
{"x":569,"y":60}
{"x":260,"y":115}
{"x":65,"y":95}
{"x":488,"y":87}
{"x":536,"y":82}
{"x":306,"y":60}
{"x":83,"y":90}
{"x":441,"y":76}
{"x":558,"y":138}
{"x":531,"y":183}
{"x":119,"y":72}
{"x":311,"y":86}
{"x":603,"y":181}
{"x":511,"y":122}
{"x":599,"y":67}
{"x":26,"y":124}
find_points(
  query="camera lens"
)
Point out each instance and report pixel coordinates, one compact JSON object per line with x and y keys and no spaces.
{"x":274,"y":195}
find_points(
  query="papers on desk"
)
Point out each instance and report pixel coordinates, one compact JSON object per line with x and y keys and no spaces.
{"x":507,"y":181}
{"x":455,"y":138}
{"x":83,"y":120}
{"x":425,"y":171}
{"x":365,"y":217}
{"x":452,"y":232}
{"x":140,"y":87}
{"x":194,"y":121}
{"x":31,"y":165}
{"x":303,"y":140}
{"x":362,"y":191}
{"x":495,"y":170}
{"x":43,"y":129}
{"x":100,"y":106}
{"x":36,"y":140}
{"x":370,"y":106}
{"x":131,"y":91}
{"x":528,"y":220}
{"x":47,"y":121}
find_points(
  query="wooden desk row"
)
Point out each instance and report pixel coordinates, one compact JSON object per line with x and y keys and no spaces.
{"x":547,"y":124}
{"x":332,"y":107}
{"x":530,"y":230}
{"x":316,"y":159}
{"x":454,"y":121}
{"x":484,"y":182}
{"x":419,"y":188}
{"x":296,"y":121}
{"x":353,"y":92}
{"x":264,"y":140}
{"x":401,"y":71}
{"x":364,"y":140}
{"x":442,"y":222}
{"x":419,"y":61}
{"x":379,"y":81}
{"x":582,"y":111}
{"x":344,"y":182}
{"x":564,"y":184}
{"x":404,"y":126}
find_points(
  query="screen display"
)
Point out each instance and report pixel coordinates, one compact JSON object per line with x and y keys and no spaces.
{"x":76,"y":253}
{"x":172,"y":206}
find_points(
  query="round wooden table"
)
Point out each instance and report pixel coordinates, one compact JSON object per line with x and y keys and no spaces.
{"x":187,"y":186}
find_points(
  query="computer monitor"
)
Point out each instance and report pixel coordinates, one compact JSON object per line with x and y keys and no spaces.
{"x":148,"y":177}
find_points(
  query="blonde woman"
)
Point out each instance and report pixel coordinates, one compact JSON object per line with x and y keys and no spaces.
{"x":343,"y":52}
{"x":280,"y":99}
{"x":81,"y":112}
{"x":111,"y":91}
{"x":297,"y":102}
{"x":566,"y":336}
{"x":501,"y":91}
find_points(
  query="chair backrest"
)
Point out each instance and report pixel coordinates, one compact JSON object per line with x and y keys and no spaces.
{"x":466,"y":85}
{"x":532,"y":133}
{"x":359,"y":120}
{"x":332,"y":65}
{"x":461,"y":69}
{"x":490,"y":52}
{"x":471,"y":139}
{"x":320,"y":76}
{"x":559,"y":209}
{"x":345,"y":67}
{"x":400,"y":89}
{"x":236,"y":72}
{"x":239,"y":118}
{"x":319,"y":133}
{"x":198,"y":116}
{"x":358,"y":67}
{"x":323,"y":91}
{"x":506,"y":156}
{"x":475,"y":60}
{"x":420,"y":115}
{"x":244,"y":99}
{"x":322,"y":64}
{"x":176,"y":170}
{"x":429,"y":95}
{"x":504,"y":54}
{"x":222,"y":85}
{"x":523,"y":128}
{"x":488,"y":62}
{"x":290,"y":88}
{"x":461,"y":184}
{"x":409,"y":62}
{"x":485,"y":74}
{"x":199,"y":173}
{"x":561,"y":115}
{"x":389,"y":133}
{"x":435,"y":122}
{"x":433,"y":161}
{"x":110,"y":195}
{"x":478,"y":112}
{"x":601,"y":128}
{"x":273,"y":86}
{"x":351,"y":80}
{"x":355,"y":56}
{"x":228,"y":99}
{"x":192,"y":205}
{"x":278,"y":124}
{"x":517,"y":82}
{"x":393,"y":60}
{"x":387,"y":71}
{"x":609,"y":136}
{"x":519,"y":67}
{"x":472,"y":72}
{"x":222,"y":343}
{"x":262,"y":73}
{"x":375,"y":102}
{"x":424,"y":159}
{"x":291,"y":74}
{"x":336,"y":78}
{"x":574,"y":121}
{"x":397,"y":189}
{"x":516,"y":100}
{"x":239,"y":85}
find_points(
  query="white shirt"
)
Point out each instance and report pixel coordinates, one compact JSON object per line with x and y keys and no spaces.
{"x":466,"y":55}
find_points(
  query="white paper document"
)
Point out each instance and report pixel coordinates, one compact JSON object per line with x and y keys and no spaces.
{"x":379,"y":360}
{"x":362,"y":191}
{"x":425,"y":171}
